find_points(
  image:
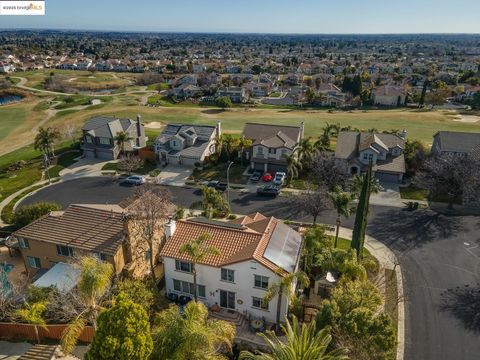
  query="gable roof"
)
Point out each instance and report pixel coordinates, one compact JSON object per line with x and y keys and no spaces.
{"x":457,"y":141}
{"x":349,"y":143}
{"x":277,"y":141}
{"x":243,"y":239}
{"x":95,"y":228}
{"x":265,"y":131}
{"x":108,"y":127}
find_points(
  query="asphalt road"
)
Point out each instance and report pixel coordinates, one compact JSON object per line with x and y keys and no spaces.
{"x":439,"y":255}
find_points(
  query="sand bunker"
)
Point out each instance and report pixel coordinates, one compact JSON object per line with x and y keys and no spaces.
{"x":467,"y":118}
{"x":154,"y":125}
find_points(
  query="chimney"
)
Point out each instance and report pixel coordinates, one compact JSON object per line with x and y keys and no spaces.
{"x":170,"y":227}
{"x":302,"y":130}
{"x":139,"y":129}
{"x":404,"y":134}
{"x":219,"y":129}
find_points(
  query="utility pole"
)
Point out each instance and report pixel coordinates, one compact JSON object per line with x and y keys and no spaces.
{"x":228,"y":182}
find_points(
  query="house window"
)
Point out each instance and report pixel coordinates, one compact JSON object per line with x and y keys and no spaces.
{"x":187,"y":288}
{"x":261,"y":282}
{"x":259,"y":150}
{"x":104,"y":141}
{"x":174,"y":143}
{"x":272,"y":151}
{"x":88,"y":139}
{"x":259,"y":303}
{"x":23,"y":243}
{"x":33,"y":262}
{"x":100,"y":256}
{"x":284,"y":153}
{"x":64,"y":250}
{"x":183,"y":266}
{"x":228,"y":275}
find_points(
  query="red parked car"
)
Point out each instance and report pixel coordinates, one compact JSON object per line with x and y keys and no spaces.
{"x":267,"y":177}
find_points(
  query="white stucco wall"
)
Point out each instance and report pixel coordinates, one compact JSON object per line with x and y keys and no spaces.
{"x":243,"y":287}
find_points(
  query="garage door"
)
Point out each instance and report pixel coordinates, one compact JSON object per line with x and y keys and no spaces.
{"x":387,"y":178}
{"x":189,"y":161}
{"x":275,"y":168}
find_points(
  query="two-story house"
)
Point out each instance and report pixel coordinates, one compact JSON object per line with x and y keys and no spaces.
{"x":255,"y":252}
{"x":236,"y":94}
{"x":107,"y":232}
{"x":271,"y":144}
{"x":184,"y":144}
{"x":388,"y":95}
{"x":356,"y":149}
{"x":99,"y":132}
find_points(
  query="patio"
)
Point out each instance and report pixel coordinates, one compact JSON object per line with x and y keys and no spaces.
{"x":246,"y":333}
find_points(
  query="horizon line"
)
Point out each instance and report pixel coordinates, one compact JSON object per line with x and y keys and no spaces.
{"x":228,"y":32}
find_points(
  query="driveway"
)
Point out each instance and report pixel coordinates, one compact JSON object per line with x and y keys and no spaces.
{"x":439,"y":254}
{"x":389,"y":195}
{"x":174,"y":175}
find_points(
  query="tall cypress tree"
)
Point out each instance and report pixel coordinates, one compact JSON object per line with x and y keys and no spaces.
{"x":361,"y":216}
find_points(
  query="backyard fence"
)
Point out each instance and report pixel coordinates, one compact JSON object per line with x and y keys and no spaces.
{"x":27,"y":332}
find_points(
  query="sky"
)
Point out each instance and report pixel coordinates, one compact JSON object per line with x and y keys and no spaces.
{"x":257,"y":16}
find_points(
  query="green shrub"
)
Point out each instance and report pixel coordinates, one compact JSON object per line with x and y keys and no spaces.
{"x":29,"y":213}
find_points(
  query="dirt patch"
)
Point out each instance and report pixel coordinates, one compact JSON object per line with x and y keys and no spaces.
{"x":467,"y":118}
{"x":154,"y":125}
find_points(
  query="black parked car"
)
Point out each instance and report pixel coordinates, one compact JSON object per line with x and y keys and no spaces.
{"x":221,"y":186}
{"x":268,"y":190}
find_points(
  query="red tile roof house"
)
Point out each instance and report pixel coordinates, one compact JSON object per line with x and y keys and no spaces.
{"x":255,"y":252}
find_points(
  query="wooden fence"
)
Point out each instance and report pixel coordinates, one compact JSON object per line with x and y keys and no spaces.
{"x":27,"y":332}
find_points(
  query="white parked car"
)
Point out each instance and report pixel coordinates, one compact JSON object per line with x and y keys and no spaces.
{"x":135,"y":180}
{"x":279,"y":178}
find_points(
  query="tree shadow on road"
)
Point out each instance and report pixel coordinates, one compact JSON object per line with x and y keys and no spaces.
{"x":409,"y":229}
{"x":464,"y":304}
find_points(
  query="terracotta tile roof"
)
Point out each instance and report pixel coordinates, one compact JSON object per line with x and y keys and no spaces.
{"x":235,"y":244}
{"x":86,"y":227}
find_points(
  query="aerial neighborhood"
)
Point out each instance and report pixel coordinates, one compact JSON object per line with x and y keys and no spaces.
{"x":238,"y":196}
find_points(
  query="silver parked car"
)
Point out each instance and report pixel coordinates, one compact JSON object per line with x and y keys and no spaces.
{"x":135,"y":180}
{"x":279,"y":178}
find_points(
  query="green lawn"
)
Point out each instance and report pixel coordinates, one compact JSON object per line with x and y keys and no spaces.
{"x":11,"y":117}
{"x":13,"y":181}
{"x":413,"y":193}
{"x":64,"y":161}
{"x":219,"y":172}
{"x":72,"y":101}
{"x":391,"y":295}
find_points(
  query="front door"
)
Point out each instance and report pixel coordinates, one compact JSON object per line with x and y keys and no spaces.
{"x":227,"y":299}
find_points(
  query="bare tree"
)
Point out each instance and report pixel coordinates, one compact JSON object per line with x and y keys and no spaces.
{"x":130,"y":163}
{"x":325,"y":171}
{"x":70,"y":132}
{"x":313,"y":200}
{"x":147,"y":212}
{"x":455,"y":177}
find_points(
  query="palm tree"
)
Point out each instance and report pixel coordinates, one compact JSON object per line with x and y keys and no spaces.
{"x":33,"y":314}
{"x":329,"y":130}
{"x":45,"y":140}
{"x":121,"y":138}
{"x":341,"y":202}
{"x":304,"y":150}
{"x":293,"y":167}
{"x":95,"y":279}
{"x":303,"y":342}
{"x":197,"y":250}
{"x":286,"y":286}
{"x":190,"y":335}
{"x":357,"y":182}
{"x":243,"y":143}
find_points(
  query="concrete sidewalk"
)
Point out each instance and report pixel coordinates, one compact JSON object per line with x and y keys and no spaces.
{"x":387,"y":260}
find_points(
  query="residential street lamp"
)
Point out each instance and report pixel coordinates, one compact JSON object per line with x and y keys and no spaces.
{"x":228,"y":182}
